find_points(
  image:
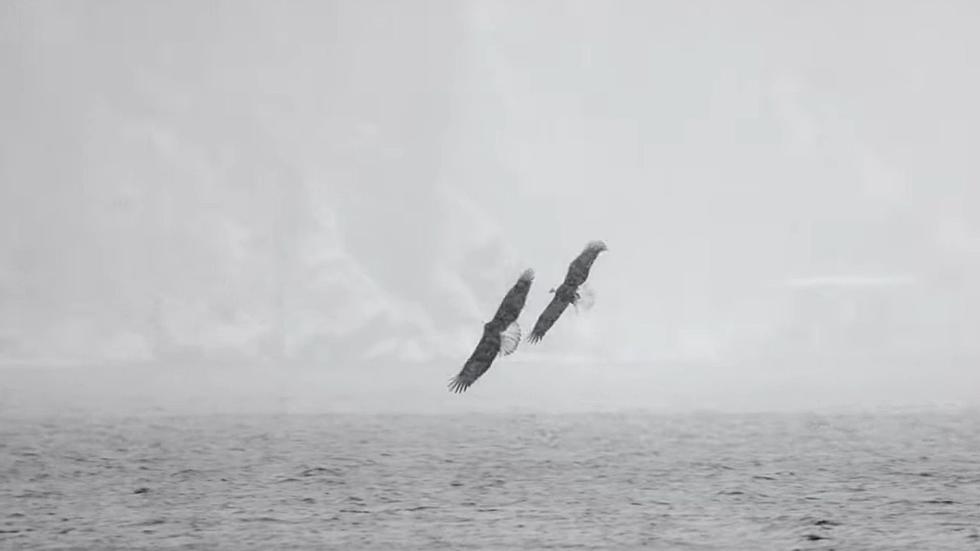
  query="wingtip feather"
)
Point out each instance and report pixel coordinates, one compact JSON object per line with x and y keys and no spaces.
{"x":597,"y":244}
{"x":457,"y":385}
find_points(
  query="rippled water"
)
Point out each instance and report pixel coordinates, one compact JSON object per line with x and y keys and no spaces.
{"x":493,"y":482}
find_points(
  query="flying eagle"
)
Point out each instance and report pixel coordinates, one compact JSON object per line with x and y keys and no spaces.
{"x":569,"y":291}
{"x":501,"y":335}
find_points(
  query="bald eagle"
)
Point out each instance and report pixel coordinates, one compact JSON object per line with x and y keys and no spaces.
{"x":569,"y":291}
{"x":501,"y":335}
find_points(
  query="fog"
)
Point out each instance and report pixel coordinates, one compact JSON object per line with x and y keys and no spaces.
{"x":304,"y":206}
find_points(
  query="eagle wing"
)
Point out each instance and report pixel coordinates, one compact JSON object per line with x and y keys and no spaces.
{"x":513,"y":302}
{"x":578,"y":269}
{"x":548,"y":318}
{"x":496,"y":342}
{"x":478,"y":363}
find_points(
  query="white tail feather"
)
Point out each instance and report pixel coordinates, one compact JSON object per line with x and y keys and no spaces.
{"x":586,"y":298}
{"x":509,"y":339}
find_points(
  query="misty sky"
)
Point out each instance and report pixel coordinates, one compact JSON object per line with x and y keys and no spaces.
{"x":338,"y":183}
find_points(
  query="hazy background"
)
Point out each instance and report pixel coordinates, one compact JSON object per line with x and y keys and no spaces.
{"x":315,"y":205}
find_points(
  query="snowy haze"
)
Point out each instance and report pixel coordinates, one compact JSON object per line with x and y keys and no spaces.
{"x":318,"y":204}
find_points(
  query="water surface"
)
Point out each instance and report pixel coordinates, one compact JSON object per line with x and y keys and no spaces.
{"x":617,"y":481}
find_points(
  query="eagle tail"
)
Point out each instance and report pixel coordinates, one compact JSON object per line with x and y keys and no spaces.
{"x":509,"y":339}
{"x":586,"y":298}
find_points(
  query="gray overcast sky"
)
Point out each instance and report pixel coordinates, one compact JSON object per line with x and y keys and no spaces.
{"x":356,"y":184}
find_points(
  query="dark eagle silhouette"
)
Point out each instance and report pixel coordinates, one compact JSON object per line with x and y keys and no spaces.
{"x":568,"y":292}
{"x":501,"y":335}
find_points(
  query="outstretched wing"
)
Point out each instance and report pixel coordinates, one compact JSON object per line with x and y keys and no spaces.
{"x":478,"y":363}
{"x":548,"y":318}
{"x":509,"y":339}
{"x":513,"y":302}
{"x":578,"y":269}
{"x":496,"y":341}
